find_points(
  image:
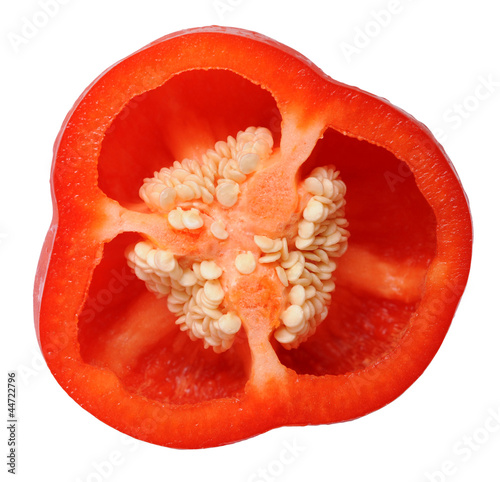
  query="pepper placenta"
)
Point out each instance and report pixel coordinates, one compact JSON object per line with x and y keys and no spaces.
{"x":240,"y":242}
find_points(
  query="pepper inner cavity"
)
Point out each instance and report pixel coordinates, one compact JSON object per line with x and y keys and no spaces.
{"x":191,"y":194}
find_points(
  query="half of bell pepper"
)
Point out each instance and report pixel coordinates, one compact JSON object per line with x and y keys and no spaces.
{"x":240,"y":242}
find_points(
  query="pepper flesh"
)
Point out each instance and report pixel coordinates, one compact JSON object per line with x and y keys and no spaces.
{"x":108,"y":340}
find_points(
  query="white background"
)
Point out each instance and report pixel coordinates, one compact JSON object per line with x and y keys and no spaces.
{"x":430,"y":59}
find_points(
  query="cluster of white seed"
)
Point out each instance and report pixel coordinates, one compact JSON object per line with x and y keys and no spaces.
{"x":217,"y":176}
{"x":195,"y":294}
{"x":193,"y":289}
{"x":322,"y":236}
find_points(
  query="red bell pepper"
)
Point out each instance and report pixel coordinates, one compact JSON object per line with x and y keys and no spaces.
{"x":138,"y":353}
